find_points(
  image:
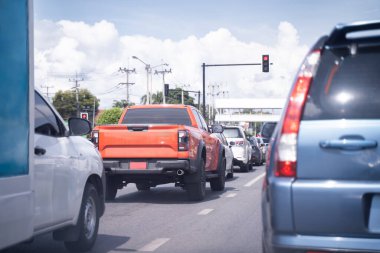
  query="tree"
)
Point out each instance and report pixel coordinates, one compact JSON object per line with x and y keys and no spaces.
{"x":110,"y":116}
{"x":175,"y":97}
{"x":121,"y":103}
{"x":65,"y":103}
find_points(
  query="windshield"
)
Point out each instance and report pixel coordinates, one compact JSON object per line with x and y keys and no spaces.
{"x":176,"y":116}
{"x":232,"y":133}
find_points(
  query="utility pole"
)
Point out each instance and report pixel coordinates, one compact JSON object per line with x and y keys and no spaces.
{"x":127,"y":72}
{"x":76,"y":80}
{"x":163,"y":72}
{"x":47,"y":90}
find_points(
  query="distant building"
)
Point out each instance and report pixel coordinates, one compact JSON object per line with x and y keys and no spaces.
{"x":249,"y":113}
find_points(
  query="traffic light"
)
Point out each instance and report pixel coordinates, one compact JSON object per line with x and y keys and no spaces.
{"x":166,"y":91}
{"x":84,"y":115}
{"x":265,"y":63}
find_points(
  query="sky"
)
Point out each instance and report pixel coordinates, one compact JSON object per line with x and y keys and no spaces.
{"x":95,"y":38}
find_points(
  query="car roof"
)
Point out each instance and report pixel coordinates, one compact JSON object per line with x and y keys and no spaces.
{"x":154,"y":106}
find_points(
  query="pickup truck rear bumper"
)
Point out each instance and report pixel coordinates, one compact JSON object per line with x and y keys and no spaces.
{"x":153,"y":166}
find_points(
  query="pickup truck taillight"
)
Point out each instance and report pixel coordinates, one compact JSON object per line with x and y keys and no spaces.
{"x":95,"y":137}
{"x":183,"y":140}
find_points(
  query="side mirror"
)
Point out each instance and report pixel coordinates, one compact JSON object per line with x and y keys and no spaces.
{"x":217,"y":129}
{"x":79,"y":126}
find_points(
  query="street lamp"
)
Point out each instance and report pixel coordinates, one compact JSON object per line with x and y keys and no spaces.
{"x":148,"y":69}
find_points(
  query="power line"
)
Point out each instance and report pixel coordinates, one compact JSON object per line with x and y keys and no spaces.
{"x":76,"y":80}
{"x":47,"y":90}
{"x":163,"y":73}
{"x":127,"y":83}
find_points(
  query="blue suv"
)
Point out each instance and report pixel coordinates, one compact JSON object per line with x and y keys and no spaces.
{"x":321,"y":192}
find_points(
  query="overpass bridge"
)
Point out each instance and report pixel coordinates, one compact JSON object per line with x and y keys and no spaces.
{"x":250,"y":113}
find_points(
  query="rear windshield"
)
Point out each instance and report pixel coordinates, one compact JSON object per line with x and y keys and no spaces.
{"x":346,"y":86}
{"x":253,"y":141}
{"x":232,"y":133}
{"x":172,"y":116}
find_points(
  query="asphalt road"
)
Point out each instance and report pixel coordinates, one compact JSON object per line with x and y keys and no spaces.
{"x":162,"y":220}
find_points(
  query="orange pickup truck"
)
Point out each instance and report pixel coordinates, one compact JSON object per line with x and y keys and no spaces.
{"x":159,"y":144}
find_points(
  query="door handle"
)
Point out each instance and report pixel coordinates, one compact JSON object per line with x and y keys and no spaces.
{"x":348,"y":144}
{"x":39,"y":151}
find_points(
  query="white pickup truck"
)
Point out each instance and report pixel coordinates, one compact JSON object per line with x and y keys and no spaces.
{"x":68,"y":184}
{"x":51,"y":178}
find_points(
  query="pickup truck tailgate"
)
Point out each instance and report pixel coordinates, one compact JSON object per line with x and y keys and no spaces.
{"x":139,"y":141}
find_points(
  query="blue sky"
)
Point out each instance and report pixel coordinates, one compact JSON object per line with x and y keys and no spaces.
{"x":98,"y":37}
{"x":246,"y":19}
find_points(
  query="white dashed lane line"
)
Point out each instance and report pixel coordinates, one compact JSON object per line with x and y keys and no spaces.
{"x":231,"y":195}
{"x":155,"y":244}
{"x":253,"y":181}
{"x":205,"y":211}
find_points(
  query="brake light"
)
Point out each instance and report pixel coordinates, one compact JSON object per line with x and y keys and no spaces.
{"x":95,"y":137}
{"x":286,"y":156}
{"x":183,"y":140}
{"x":239,"y":143}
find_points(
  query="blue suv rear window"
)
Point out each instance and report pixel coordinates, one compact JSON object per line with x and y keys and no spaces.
{"x":346,"y":85}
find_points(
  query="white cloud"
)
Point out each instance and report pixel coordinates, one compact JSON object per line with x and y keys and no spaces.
{"x":98,"y":50}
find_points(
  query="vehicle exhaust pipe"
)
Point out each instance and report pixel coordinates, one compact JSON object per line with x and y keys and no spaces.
{"x":180,"y":172}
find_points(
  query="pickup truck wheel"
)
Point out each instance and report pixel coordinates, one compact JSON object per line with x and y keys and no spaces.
{"x":217,"y":184}
{"x":244,"y":167}
{"x":231,"y":174}
{"x":142,"y":187}
{"x":88,"y":221}
{"x":196,"y":188}
{"x":111,"y":190}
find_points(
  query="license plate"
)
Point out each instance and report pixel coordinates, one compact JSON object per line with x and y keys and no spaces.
{"x":137,"y":165}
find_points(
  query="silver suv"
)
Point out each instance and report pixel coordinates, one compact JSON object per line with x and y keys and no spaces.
{"x":241,"y":148}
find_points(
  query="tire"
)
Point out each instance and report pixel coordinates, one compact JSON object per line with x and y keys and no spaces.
{"x":217,"y":184}
{"x":231,"y":174}
{"x":142,"y":187}
{"x":196,"y":187}
{"x":88,"y":221}
{"x":245,"y":167}
{"x":111,"y":189}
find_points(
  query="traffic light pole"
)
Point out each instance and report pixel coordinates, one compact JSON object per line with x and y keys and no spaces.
{"x":204,"y":65}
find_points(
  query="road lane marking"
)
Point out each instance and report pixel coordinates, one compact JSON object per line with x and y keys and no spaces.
{"x":205,"y":211}
{"x":253,"y":181}
{"x":231,"y":195}
{"x":155,"y":244}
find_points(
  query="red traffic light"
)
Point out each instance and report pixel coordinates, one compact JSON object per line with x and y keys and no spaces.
{"x":84,"y":115}
{"x":265,"y":62}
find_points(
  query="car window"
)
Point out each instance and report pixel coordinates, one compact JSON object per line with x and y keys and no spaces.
{"x":45,"y":120}
{"x":232,"y":133}
{"x":204,"y":124}
{"x":253,"y":141}
{"x":177,"y":116}
{"x":197,"y":119}
{"x":346,"y":86}
{"x":267,"y":130}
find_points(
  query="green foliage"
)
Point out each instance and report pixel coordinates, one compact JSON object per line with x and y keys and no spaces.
{"x":65,"y":103}
{"x":175,"y":97}
{"x":121,"y":103}
{"x":110,"y":116}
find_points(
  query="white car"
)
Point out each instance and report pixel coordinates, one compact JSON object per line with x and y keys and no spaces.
{"x":240,"y":146}
{"x":263,"y":146}
{"x":228,"y":154}
{"x":68,"y":178}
